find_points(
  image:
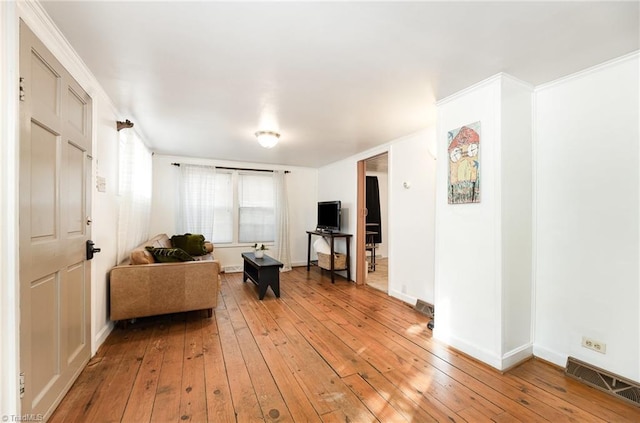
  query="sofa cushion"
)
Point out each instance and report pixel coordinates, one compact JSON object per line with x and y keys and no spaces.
{"x":169,"y":255}
{"x":193,"y":244}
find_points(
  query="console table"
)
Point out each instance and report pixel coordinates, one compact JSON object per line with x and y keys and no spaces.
{"x":264,"y":272}
{"x":332,"y":236}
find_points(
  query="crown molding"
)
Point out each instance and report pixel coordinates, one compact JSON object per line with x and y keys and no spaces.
{"x":590,"y":70}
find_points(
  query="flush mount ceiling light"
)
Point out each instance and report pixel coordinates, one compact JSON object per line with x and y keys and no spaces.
{"x":267,"y":139}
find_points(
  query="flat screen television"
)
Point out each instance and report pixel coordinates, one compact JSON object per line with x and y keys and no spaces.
{"x":329,"y":216}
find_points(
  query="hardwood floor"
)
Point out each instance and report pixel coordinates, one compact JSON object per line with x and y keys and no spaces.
{"x":379,"y":278}
{"x":322,"y":352}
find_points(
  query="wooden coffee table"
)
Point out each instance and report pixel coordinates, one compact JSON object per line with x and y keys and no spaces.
{"x":264,"y":272}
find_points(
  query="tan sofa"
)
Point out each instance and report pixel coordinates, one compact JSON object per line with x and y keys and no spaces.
{"x":139,"y":290}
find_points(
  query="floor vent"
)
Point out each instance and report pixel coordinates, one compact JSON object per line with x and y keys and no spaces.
{"x":424,"y":308}
{"x":615,"y":385}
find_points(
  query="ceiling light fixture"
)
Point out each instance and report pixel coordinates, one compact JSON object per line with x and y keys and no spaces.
{"x":267,"y":139}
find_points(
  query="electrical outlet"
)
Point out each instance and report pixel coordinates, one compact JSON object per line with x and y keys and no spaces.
{"x":594,"y":345}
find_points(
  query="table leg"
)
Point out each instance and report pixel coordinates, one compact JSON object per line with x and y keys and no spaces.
{"x":262,"y":289}
{"x":333,"y":278}
{"x":269,"y":278}
{"x":275,"y":285}
{"x":308,"y":251}
{"x":348,"y":261}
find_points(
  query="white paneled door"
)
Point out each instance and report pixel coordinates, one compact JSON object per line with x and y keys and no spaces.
{"x":55,"y":171}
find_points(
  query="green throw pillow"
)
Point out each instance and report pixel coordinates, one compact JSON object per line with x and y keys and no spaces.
{"x":192,"y":243}
{"x":169,"y":255}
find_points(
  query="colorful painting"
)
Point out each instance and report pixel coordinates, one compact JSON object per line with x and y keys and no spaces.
{"x":464,"y":164}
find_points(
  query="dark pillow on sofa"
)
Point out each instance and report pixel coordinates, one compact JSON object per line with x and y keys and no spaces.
{"x":191,"y":243}
{"x":169,"y":255}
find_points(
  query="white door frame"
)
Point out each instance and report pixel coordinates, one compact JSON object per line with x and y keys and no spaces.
{"x":9,"y":277}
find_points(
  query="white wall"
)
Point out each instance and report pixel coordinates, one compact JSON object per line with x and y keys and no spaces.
{"x":412,"y":217}
{"x":587,"y":267}
{"x":338,"y":181}
{"x":104,"y":214}
{"x":483,"y":271}
{"x":302,"y":189}
{"x":516,"y":215}
{"x":468,"y":244}
{"x":410,"y":212}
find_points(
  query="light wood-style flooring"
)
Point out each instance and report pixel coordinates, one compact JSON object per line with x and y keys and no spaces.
{"x":321,"y":353}
{"x":379,"y":278}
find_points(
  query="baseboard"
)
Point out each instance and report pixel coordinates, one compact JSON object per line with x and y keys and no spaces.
{"x":403,"y":297}
{"x":550,"y":356}
{"x":516,"y":356}
{"x":237,"y":268}
{"x":101,"y":336}
{"x":480,"y":354}
{"x":232,"y":269}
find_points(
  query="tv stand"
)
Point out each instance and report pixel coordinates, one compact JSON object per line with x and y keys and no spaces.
{"x":333,"y":236}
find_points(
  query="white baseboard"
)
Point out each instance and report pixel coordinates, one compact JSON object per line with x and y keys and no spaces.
{"x":474,"y":351}
{"x":508,"y":360}
{"x":403,"y":297}
{"x":237,"y":268}
{"x":550,"y":356}
{"x":232,"y":269}
{"x":516,"y":356}
{"x":101,"y":336}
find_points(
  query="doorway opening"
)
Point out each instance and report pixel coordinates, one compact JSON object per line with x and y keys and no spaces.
{"x":375,"y":217}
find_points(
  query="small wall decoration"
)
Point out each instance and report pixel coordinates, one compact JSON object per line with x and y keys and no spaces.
{"x":464,"y":164}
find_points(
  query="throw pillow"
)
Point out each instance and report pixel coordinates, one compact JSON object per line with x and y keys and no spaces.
{"x":193,"y":244}
{"x":141,"y":257}
{"x":169,"y":255}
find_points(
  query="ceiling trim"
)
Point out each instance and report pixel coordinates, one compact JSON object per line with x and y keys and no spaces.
{"x":592,"y":69}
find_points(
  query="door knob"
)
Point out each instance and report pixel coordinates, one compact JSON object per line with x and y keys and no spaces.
{"x":91,"y":249}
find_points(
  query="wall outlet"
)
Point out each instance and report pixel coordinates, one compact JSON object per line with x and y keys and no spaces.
{"x":592,"y":344}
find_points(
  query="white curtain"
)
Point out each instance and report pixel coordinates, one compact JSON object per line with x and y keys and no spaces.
{"x":197,"y":200}
{"x":134,"y":192}
{"x":281,"y":244}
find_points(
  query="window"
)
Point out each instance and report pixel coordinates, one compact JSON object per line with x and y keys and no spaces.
{"x":256,"y":204}
{"x":241,"y":203}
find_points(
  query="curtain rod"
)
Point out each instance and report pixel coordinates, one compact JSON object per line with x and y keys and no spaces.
{"x":237,"y":168}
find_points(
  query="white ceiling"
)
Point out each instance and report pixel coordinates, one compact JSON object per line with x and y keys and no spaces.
{"x":334,"y":78}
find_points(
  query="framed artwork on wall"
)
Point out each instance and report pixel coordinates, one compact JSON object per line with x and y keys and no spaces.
{"x":464,"y":164}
